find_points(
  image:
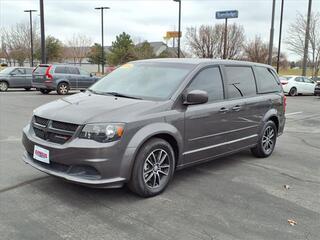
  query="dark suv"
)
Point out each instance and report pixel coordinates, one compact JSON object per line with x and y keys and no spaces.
{"x":149,"y":118}
{"x":61,"y":78}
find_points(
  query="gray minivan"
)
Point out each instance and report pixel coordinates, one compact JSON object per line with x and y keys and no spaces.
{"x":15,"y":77}
{"x":149,"y":118}
{"x":61,"y":78}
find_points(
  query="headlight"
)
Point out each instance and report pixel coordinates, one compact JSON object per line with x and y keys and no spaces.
{"x":102,"y":132}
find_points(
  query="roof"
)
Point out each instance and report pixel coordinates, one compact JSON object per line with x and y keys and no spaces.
{"x":198,"y":61}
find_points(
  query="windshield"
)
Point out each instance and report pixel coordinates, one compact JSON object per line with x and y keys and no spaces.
{"x":156,"y":81}
{"x":6,"y":70}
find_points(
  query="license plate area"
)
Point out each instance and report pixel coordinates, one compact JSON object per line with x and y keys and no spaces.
{"x":41,"y":154}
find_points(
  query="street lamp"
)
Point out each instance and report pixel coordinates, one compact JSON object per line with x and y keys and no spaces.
{"x":31,"y":37}
{"x":306,"y":41}
{"x":280,"y":33}
{"x":102,"y":52}
{"x":271,"y":33}
{"x":179,"y":33}
{"x":43,"y":38}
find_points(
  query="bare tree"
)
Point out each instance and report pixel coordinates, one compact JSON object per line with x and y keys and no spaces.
{"x":78,"y":47}
{"x":258,"y":51}
{"x":15,"y":42}
{"x":296,"y":38}
{"x":207,"y":41}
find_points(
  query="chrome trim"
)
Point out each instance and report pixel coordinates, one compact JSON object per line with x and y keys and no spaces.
{"x":220,"y":144}
{"x":221,"y":133}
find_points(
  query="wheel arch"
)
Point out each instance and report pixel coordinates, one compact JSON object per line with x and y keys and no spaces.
{"x":6,"y":81}
{"x":164,"y":131}
{"x":272,"y":115}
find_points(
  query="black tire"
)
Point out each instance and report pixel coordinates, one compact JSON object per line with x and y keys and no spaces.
{"x":27,"y":89}
{"x":293,"y":92}
{"x":45,"y":91}
{"x":156,"y":162}
{"x":267,"y":140}
{"x":63,"y":88}
{"x":3,"y":86}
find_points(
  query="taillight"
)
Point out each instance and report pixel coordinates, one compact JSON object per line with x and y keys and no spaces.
{"x":48,"y":75}
{"x":284,"y":103}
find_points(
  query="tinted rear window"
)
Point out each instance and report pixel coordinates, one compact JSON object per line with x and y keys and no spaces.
{"x":73,"y":70}
{"x":241,"y":82}
{"x":61,"y":70}
{"x":266,"y":81}
{"x":40,"y":70}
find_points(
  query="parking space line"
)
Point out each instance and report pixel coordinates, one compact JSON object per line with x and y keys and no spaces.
{"x":293,"y":113}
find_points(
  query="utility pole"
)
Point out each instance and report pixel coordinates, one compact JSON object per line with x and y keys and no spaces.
{"x":102,"y":45}
{"x":280,"y":33}
{"x":179,"y":28}
{"x":43,"y":38}
{"x":225,"y":39}
{"x":306,"y":42}
{"x":31,"y":33}
{"x":271,"y":33}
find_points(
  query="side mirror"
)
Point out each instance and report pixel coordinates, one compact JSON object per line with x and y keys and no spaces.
{"x":12,"y":74}
{"x":195,"y":97}
{"x":92,"y":74}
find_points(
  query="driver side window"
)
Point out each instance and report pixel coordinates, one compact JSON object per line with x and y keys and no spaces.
{"x":209,"y":80}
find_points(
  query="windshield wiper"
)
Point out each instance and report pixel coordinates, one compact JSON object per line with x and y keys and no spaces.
{"x":121,"y":95}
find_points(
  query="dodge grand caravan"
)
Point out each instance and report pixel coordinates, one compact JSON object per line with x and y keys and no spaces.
{"x":149,"y":118}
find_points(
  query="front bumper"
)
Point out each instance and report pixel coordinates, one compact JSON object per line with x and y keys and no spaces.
{"x":85,"y":162}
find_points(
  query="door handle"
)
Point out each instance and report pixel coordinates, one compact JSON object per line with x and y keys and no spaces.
{"x":236,"y":108}
{"x":223,"y":110}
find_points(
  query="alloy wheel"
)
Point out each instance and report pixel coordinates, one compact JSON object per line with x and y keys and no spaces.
{"x":3,"y":86}
{"x":268,"y":139}
{"x":63,"y":89}
{"x":156,"y":168}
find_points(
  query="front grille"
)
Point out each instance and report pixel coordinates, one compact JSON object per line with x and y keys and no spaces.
{"x":64,"y":126}
{"x":53,"y":131}
{"x":41,"y":121}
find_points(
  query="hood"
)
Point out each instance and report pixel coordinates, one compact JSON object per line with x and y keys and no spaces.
{"x":86,"y":107}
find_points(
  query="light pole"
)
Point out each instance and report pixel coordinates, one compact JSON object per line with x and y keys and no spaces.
{"x":306,"y":42}
{"x":102,"y":47}
{"x":271,"y":33}
{"x":280,"y":33}
{"x":179,"y":28}
{"x":43,"y":38}
{"x":31,"y":37}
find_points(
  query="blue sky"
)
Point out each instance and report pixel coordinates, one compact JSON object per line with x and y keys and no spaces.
{"x":150,"y":19}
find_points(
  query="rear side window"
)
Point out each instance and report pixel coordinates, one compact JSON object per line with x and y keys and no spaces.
{"x":209,"y":80}
{"x":40,"y":70}
{"x":73,"y":70}
{"x":241,"y":82}
{"x":266,"y":82}
{"x":61,"y":69}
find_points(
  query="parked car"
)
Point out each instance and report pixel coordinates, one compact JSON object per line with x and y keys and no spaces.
{"x":295,"y":85}
{"x":149,"y":118}
{"x":317,"y":89}
{"x":15,"y":77}
{"x":61,"y":78}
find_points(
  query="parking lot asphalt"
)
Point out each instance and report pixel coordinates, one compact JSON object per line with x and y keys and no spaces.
{"x":236,"y":197}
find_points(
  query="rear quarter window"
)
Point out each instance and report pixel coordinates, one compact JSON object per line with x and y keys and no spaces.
{"x":40,"y":70}
{"x":240,"y":81}
{"x":266,"y":81}
{"x":61,"y":69}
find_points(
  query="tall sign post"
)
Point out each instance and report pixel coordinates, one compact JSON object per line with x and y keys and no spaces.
{"x":225,"y":15}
